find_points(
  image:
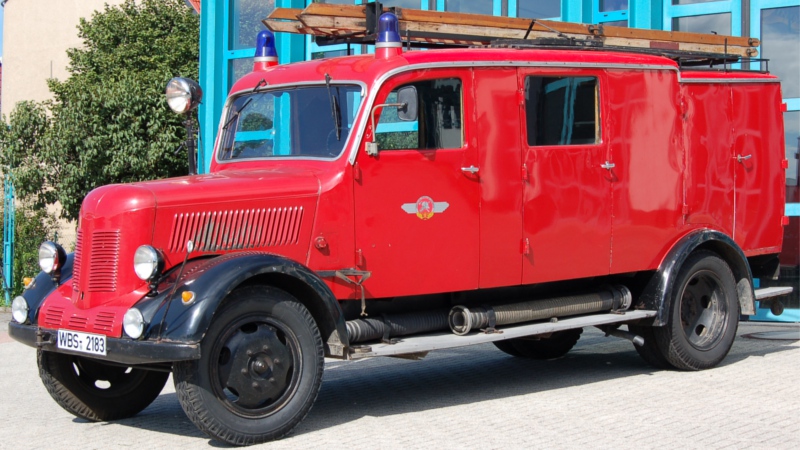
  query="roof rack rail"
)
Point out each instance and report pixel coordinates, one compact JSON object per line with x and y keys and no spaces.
{"x":357,"y":24}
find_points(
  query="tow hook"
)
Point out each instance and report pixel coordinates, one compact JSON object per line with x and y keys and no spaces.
{"x":44,"y":337}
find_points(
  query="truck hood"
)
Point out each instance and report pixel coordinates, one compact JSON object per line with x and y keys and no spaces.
{"x":232,"y":187}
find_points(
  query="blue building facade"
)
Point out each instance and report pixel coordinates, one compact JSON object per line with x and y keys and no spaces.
{"x":229,"y":28}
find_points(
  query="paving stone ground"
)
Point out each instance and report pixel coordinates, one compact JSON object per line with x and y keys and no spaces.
{"x":602,"y":395}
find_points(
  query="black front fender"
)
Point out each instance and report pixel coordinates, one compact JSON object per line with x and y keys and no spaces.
{"x":212,"y":280}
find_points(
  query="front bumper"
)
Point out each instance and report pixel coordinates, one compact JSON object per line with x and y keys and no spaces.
{"x":123,"y":351}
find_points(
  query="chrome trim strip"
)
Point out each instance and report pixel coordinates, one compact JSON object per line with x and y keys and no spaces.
{"x":729,"y":80}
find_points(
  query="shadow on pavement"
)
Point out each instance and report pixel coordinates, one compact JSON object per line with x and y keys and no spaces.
{"x":387,"y":386}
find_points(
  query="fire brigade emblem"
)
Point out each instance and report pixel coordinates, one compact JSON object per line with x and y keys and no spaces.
{"x":425,"y":207}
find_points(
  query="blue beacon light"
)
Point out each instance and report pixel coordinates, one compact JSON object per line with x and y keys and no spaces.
{"x":388,"y":43}
{"x":266,"y":54}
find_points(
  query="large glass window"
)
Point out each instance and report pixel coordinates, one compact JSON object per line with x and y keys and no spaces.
{"x":561,"y":110}
{"x":780,"y":43}
{"x":306,"y":122}
{"x":438,"y":124}
{"x":792,"y":130}
{"x":539,"y":9}
{"x":708,"y":23}
{"x":246,"y":22}
{"x":613,"y":5}
{"x":470,"y":6}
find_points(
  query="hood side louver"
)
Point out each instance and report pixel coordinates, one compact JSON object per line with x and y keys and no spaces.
{"x":236,"y":229}
{"x":103,"y":260}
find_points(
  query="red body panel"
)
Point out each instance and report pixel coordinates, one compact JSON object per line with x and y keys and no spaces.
{"x":530,"y":214}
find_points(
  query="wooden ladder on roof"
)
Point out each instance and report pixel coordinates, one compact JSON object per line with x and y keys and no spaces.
{"x":356,"y":24}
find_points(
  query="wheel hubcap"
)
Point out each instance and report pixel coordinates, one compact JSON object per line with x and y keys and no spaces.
{"x":703,"y":310}
{"x":256,"y":370}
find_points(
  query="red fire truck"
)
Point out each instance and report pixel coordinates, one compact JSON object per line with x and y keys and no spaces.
{"x":406,"y":201}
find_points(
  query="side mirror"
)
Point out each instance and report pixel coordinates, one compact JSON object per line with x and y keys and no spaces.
{"x":183,"y":95}
{"x":406,"y":111}
{"x":407,"y":97}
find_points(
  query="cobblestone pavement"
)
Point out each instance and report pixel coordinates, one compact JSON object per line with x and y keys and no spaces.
{"x":602,"y":395}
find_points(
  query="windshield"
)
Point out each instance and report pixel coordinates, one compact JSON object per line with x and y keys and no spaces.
{"x":310,"y":121}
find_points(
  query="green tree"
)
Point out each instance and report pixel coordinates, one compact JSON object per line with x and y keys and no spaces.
{"x":109,"y":122}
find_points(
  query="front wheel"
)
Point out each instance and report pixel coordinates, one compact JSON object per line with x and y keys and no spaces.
{"x":96,"y":391}
{"x":260,"y":370}
{"x":703,"y":315}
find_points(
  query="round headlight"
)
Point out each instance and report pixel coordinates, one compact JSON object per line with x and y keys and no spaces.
{"x":19,"y":310}
{"x":133,"y":323}
{"x":146,"y":262}
{"x":50,"y":257}
{"x":183,"y":94}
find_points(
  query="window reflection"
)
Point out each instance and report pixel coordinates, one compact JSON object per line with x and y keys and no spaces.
{"x":719,"y":23}
{"x":246,"y":18}
{"x":402,"y":3}
{"x":617,"y":23}
{"x":237,"y":68}
{"x":469,"y":6}
{"x":689,"y":2}
{"x":613,"y":5}
{"x":791,"y":121}
{"x":539,"y":9}
{"x":780,"y":41}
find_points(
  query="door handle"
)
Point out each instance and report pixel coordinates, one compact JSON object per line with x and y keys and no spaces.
{"x":471,"y":169}
{"x":608,"y":165}
{"x":741,"y":158}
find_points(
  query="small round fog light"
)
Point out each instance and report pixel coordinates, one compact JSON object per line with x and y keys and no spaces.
{"x":19,"y":310}
{"x":133,"y":323}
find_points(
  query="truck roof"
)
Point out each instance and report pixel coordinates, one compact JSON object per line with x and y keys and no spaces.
{"x":368,"y":68}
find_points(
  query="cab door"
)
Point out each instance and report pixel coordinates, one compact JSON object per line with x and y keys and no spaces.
{"x":417,"y":200}
{"x":568,"y":175}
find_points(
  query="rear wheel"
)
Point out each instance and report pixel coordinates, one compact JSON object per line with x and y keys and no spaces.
{"x":260,"y":371}
{"x":93,"y":390}
{"x":703,"y":316}
{"x":555,"y":346}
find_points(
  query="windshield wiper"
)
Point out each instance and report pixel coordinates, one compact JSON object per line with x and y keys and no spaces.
{"x":236,"y":114}
{"x":263,"y":82}
{"x":336,"y":111}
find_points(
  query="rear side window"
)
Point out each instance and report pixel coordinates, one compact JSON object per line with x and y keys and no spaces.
{"x":562,"y":110}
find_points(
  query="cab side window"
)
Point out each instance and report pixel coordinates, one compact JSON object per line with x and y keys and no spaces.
{"x":439,"y":118}
{"x":562,"y":110}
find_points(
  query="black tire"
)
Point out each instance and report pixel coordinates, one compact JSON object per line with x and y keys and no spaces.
{"x":556,"y":346}
{"x":703,"y":316}
{"x":260,"y":370}
{"x":649,"y":351}
{"x":95,"y":391}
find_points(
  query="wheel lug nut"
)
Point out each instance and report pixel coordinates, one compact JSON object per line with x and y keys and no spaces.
{"x":255,"y":385}
{"x":272,"y":380}
{"x":265,"y":348}
{"x":277,"y":361}
{"x":249,"y":353}
{"x":244,"y":371}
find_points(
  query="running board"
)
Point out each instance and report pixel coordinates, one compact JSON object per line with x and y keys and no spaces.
{"x":763,"y":293}
{"x":441,"y":340}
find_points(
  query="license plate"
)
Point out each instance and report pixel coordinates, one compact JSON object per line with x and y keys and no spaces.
{"x":94,"y":344}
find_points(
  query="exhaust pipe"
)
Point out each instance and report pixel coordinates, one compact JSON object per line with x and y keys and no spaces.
{"x":462,"y":319}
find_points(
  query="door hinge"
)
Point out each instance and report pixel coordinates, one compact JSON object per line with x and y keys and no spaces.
{"x":357,"y":172}
{"x":685,"y":209}
{"x":526,"y":247}
{"x":359,"y":258}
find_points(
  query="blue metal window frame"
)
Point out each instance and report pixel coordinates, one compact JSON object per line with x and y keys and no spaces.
{"x":608,"y":16}
{"x":734,"y":7}
{"x":497,"y":7}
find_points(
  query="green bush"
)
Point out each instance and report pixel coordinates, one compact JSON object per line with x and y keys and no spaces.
{"x":33,"y":226}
